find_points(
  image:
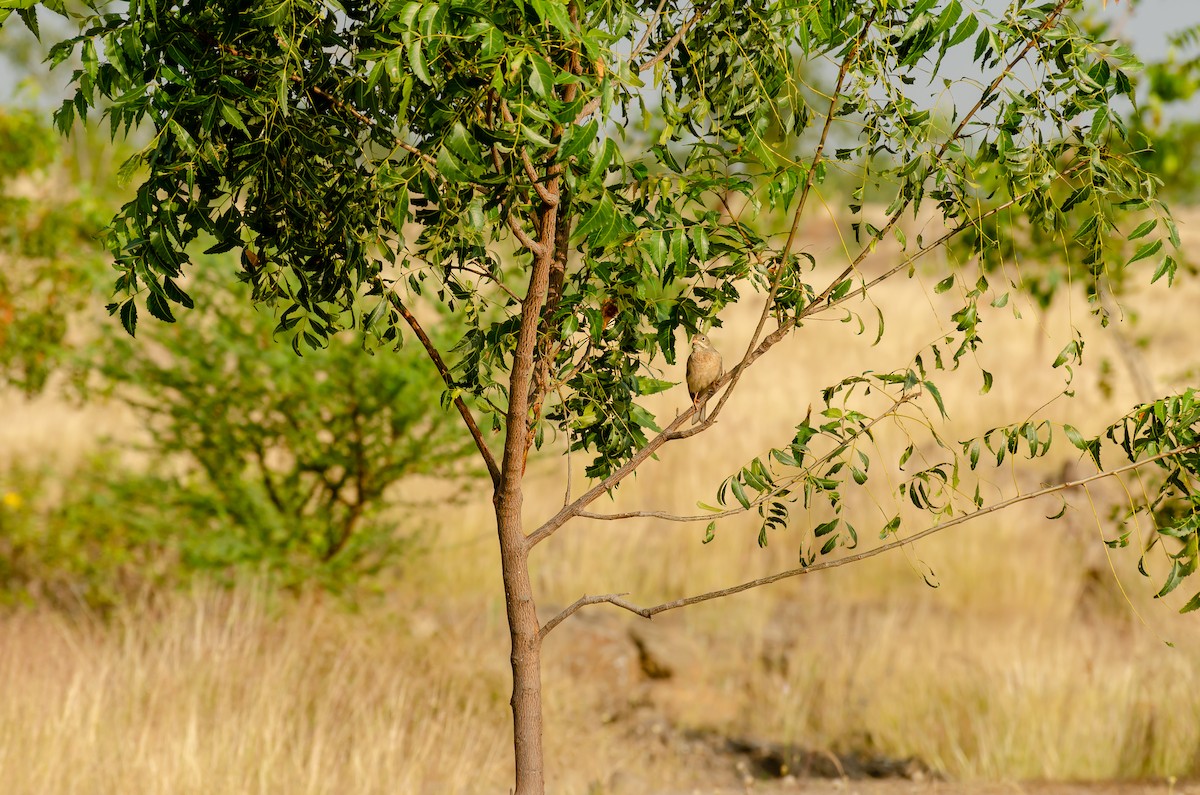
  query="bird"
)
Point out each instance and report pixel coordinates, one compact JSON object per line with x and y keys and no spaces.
{"x":704,"y":367}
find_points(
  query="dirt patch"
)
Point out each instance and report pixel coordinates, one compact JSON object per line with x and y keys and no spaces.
{"x":901,"y":787}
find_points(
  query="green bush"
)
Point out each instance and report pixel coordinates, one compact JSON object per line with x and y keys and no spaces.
{"x":47,"y":251}
{"x":99,"y":542}
{"x":286,"y":462}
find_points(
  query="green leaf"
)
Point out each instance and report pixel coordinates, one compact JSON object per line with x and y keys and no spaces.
{"x":231,"y":115}
{"x":129,"y":316}
{"x":739,"y":492}
{"x":650,"y":386}
{"x":541,"y":77}
{"x":416,"y":60}
{"x":1179,"y":570}
{"x":1145,"y":250}
{"x":825,"y":528}
{"x":709,"y":532}
{"x":159,"y":308}
{"x":451,"y":167}
{"x":1143,"y":229}
{"x":1192,"y":604}
{"x":937,"y":398}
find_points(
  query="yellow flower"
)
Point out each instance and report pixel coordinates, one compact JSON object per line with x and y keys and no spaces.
{"x":11,"y":500}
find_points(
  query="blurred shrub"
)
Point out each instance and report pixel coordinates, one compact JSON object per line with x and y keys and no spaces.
{"x":102,"y":541}
{"x":48,"y":251}
{"x":286,"y":463}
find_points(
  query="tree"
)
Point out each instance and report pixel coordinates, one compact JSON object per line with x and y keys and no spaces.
{"x":488,"y":152}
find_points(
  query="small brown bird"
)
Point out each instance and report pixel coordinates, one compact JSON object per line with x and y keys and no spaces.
{"x":704,"y":367}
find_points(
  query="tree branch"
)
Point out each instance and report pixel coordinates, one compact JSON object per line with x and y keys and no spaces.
{"x":440,"y":364}
{"x":673,"y":42}
{"x":584,"y":601}
{"x":650,"y":612}
{"x":651,"y":24}
{"x":590,"y":107}
{"x":548,"y":198}
{"x":786,"y":483}
{"x":523,"y":236}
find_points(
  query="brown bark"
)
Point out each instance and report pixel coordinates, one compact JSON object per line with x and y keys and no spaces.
{"x":514,"y":548}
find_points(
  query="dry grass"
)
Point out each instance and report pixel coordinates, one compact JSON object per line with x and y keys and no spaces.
{"x":1027,"y":661}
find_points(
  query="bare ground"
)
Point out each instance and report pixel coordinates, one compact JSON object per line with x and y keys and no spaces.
{"x":901,"y":787}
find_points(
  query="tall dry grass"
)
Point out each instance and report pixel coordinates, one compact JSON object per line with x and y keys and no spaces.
{"x":1038,"y":655}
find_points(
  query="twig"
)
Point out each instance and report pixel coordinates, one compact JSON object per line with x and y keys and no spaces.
{"x":505,"y":288}
{"x":440,"y":364}
{"x":934,"y":246}
{"x":650,"y":612}
{"x":673,"y":42}
{"x":546,"y":196}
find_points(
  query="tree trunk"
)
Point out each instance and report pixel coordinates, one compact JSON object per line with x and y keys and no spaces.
{"x":526,"y":646}
{"x":514,"y":548}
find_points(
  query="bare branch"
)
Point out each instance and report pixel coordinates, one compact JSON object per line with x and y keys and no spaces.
{"x":584,"y":601}
{"x":523,"y":236}
{"x":650,"y":612}
{"x":650,"y":26}
{"x":673,"y":42}
{"x":440,"y":364}
{"x":664,"y":515}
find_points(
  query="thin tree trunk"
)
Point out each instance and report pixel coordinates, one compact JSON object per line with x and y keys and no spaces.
{"x":526,"y":648}
{"x":514,"y":547}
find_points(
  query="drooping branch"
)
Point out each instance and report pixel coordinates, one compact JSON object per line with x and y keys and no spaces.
{"x":444,"y":371}
{"x":984,"y":98}
{"x":818,"y":303}
{"x":778,"y":268}
{"x":650,"y":612}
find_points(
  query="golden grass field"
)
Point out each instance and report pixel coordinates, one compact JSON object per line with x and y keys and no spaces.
{"x":1038,"y":657}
